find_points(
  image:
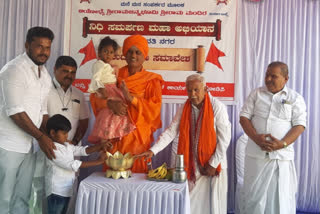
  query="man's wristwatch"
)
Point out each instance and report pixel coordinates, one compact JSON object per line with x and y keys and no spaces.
{"x":285,"y":144}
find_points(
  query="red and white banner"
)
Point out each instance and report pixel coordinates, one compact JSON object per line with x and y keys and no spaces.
{"x":184,"y":37}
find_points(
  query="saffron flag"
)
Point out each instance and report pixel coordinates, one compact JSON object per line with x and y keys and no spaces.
{"x":89,"y":52}
{"x":213,"y":55}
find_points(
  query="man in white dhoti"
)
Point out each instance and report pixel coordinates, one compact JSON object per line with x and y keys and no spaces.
{"x":204,"y":136}
{"x":273,"y":117}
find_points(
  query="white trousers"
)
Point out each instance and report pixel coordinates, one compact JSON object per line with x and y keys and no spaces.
{"x":16,"y":173}
{"x":269,"y":186}
{"x":209,"y":195}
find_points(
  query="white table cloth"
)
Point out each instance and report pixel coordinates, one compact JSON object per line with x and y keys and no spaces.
{"x":136,"y":195}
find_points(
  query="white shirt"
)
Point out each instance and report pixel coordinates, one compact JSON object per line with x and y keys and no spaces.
{"x":73,"y":99}
{"x":222,"y":127}
{"x":274,"y":114}
{"x":21,"y":90}
{"x":60,"y":174}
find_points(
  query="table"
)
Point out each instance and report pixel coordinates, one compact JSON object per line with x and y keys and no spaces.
{"x":136,"y":195}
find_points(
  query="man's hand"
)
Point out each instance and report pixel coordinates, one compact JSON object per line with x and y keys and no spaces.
{"x":102,"y":93}
{"x":106,"y":145}
{"x":102,"y":156}
{"x":47,"y":146}
{"x":148,"y":154}
{"x":262,"y":140}
{"x":209,"y":170}
{"x":23,"y":121}
{"x":117,"y":107}
{"x":274,"y":143}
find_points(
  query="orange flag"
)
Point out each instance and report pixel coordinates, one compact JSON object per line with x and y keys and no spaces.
{"x":213,"y":55}
{"x":89,"y":52}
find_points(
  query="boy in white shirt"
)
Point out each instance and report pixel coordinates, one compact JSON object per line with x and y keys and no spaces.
{"x":60,"y":172}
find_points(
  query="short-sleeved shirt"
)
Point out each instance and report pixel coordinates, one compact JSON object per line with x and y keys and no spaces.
{"x":274,"y":114}
{"x":71,"y":104}
{"x":21,"y":90}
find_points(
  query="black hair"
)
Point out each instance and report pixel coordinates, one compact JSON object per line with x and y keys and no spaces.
{"x":41,"y":32}
{"x":65,"y":60}
{"x":58,"y":122}
{"x":106,"y":41}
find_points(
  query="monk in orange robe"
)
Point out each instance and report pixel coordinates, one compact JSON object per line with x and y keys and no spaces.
{"x":142,"y":90}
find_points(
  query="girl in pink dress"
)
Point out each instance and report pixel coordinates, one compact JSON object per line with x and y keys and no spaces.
{"x":107,"y":126}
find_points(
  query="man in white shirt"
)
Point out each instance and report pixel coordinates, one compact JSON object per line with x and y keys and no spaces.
{"x":204,"y":136}
{"x":24,"y":86}
{"x":67,"y":100}
{"x":273,"y":117}
{"x":70,"y":102}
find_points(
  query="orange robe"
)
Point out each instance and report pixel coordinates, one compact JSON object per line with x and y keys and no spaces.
{"x":144,"y":110}
{"x":97,"y":104}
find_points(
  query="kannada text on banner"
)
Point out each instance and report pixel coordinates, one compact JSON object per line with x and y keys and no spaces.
{"x":184,"y":37}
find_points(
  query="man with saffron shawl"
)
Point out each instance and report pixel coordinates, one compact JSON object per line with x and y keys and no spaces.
{"x":142,"y":90}
{"x":204,"y":136}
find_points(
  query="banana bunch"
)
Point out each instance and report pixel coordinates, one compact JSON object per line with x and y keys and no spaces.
{"x":158,"y":173}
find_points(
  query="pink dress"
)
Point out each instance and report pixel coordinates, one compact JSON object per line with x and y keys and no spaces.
{"x":108,"y":125}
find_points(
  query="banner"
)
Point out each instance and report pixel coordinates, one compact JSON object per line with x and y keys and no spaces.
{"x":185,"y":37}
